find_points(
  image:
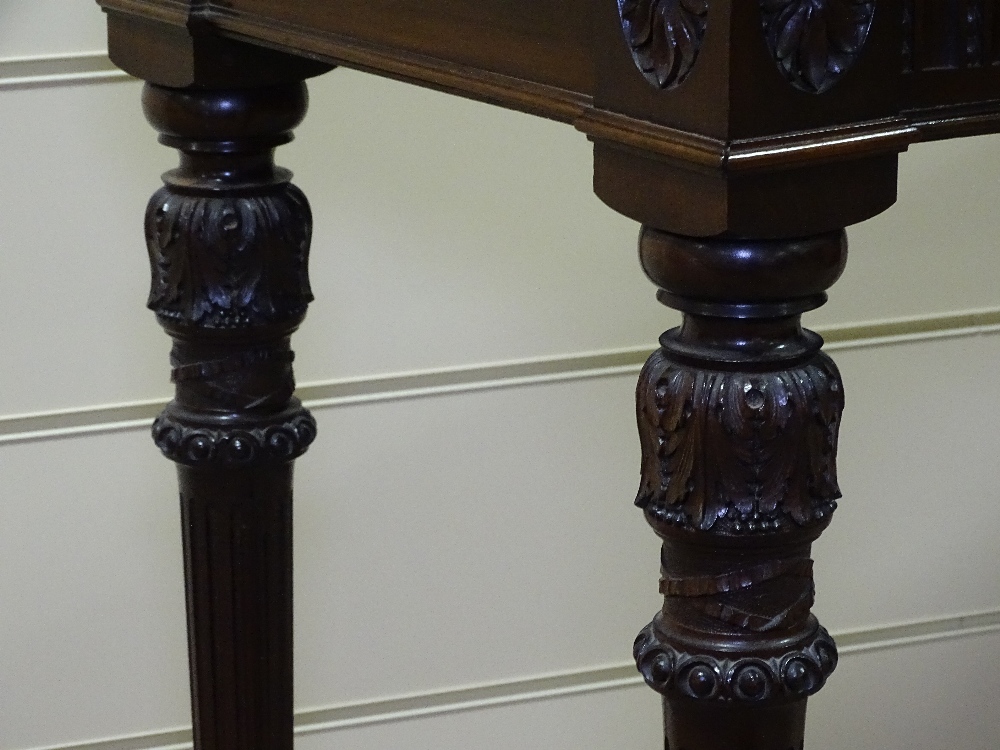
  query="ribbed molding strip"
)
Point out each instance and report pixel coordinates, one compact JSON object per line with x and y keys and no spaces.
{"x":55,"y":70}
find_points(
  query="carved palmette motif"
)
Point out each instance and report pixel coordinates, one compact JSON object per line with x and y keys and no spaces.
{"x":814,"y":42}
{"x":738,"y":453}
{"x":664,"y":36}
{"x":228,"y":261}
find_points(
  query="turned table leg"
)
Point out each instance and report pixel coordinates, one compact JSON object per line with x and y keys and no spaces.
{"x":228,"y":239}
{"x":738,"y":417}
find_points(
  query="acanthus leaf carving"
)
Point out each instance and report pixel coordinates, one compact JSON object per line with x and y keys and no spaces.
{"x":664,"y":36}
{"x":228,"y":261}
{"x":814,"y":42}
{"x":735,"y":452}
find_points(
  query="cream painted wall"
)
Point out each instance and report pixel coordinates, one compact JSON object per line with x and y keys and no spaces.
{"x":30,"y":28}
{"x":499,"y":544}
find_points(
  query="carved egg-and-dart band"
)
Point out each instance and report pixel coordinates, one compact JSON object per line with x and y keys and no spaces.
{"x":284,"y":437}
{"x":794,"y":674}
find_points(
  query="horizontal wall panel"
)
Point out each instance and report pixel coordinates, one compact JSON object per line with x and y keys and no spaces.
{"x":916,"y":532}
{"x":935,"y":250}
{"x":460,"y":544}
{"x":79,"y":168}
{"x":930,"y":695}
{"x":58,"y":70}
{"x":448,"y":233}
{"x":925,"y":697}
{"x":50,"y":27}
{"x":505,"y":516}
{"x":627,"y":718}
{"x":433,"y":246}
{"x":92,"y":625}
{"x":470,"y":538}
{"x":459,"y":539}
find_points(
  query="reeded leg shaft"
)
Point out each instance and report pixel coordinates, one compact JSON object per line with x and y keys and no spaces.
{"x":228,"y":239}
{"x":738,"y":417}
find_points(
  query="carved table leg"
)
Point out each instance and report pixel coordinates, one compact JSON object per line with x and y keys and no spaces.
{"x":738,"y":416}
{"x":228,"y":239}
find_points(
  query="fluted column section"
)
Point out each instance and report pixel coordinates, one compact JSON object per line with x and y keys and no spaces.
{"x":738,"y":413}
{"x":228,"y":239}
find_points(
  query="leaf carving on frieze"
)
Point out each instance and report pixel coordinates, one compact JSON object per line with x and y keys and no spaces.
{"x":738,"y":452}
{"x":815,"y":42}
{"x":229,"y":261}
{"x":664,"y":36}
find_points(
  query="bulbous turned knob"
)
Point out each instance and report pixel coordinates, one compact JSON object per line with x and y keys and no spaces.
{"x":745,"y":272}
{"x":263,"y":116}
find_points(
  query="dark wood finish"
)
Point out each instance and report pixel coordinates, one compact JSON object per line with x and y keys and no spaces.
{"x":523,"y":54}
{"x":738,"y":418}
{"x":174,"y":55}
{"x":534,"y":39}
{"x":228,"y":239}
{"x":745,"y":145}
{"x":744,"y":134}
{"x":951,"y":52}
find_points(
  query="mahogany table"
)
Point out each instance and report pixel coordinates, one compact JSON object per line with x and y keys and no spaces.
{"x":744,"y":135}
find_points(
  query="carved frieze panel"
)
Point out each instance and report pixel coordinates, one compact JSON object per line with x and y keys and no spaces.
{"x":814,"y":42}
{"x":951,"y":34}
{"x":665,"y":37}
